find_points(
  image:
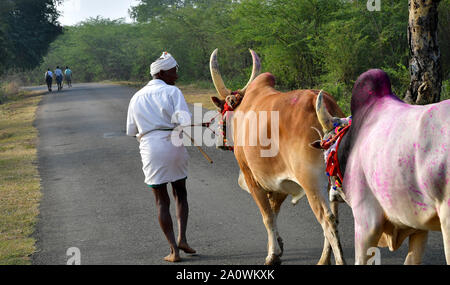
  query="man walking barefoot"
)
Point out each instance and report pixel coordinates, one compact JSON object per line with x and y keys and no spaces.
{"x":153,"y":112}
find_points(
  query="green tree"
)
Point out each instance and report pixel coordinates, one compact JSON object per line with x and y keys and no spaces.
{"x":97,"y":49}
{"x":27,"y":27}
{"x":304,"y":43}
{"x":149,"y":10}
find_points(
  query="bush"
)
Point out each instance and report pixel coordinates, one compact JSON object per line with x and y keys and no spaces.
{"x":400,"y":79}
{"x":445,"y":91}
{"x":341,"y":93}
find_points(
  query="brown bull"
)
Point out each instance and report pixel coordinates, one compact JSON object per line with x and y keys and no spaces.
{"x":287,"y":167}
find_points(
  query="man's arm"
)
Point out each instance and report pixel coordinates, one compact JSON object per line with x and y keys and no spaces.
{"x":181,"y":115}
{"x":132,"y":129}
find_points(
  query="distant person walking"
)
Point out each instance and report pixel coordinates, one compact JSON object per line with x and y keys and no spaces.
{"x":68,"y":76}
{"x":59,"y":77}
{"x":49,"y":79}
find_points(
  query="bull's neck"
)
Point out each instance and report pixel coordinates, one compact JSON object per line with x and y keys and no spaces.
{"x":344,"y":150}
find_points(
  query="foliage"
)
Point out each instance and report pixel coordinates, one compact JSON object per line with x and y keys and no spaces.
{"x":97,"y":49}
{"x":444,"y":34}
{"x":26,"y":29}
{"x":304,"y":43}
{"x":445,"y":95}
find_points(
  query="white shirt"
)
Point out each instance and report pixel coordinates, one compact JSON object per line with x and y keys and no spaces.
{"x":49,"y":73}
{"x":159,"y":106}
{"x":156,"y":106}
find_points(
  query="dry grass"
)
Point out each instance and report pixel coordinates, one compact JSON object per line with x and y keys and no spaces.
{"x":19,"y":178}
{"x":11,"y":88}
{"x":8,"y":89}
{"x":191,"y":92}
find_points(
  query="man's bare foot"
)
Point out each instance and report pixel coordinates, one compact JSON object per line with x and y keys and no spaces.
{"x":186,"y":248}
{"x":172,"y":258}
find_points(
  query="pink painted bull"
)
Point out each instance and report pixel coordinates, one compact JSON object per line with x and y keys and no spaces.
{"x":395,"y":166}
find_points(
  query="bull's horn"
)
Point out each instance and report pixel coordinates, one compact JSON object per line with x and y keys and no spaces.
{"x":216,"y":77}
{"x":256,"y":70}
{"x":325,"y":119}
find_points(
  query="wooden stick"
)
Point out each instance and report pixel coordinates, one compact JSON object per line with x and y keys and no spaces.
{"x":199,"y":148}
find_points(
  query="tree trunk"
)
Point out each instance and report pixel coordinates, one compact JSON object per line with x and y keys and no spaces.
{"x":425,"y":62}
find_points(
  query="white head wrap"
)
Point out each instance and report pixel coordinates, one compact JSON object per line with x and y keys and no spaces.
{"x":165,"y":62}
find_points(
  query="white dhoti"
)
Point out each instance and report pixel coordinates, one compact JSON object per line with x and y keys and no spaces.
{"x":162,"y":161}
{"x":153,"y":112}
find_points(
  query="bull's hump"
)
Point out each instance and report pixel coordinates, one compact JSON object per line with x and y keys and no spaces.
{"x":262,"y":84}
{"x":264,"y":79}
{"x":371,"y":86}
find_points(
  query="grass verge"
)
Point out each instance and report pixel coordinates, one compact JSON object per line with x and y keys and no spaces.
{"x":19,"y":178}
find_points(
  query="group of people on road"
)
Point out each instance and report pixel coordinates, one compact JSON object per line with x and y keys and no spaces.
{"x":59,"y":75}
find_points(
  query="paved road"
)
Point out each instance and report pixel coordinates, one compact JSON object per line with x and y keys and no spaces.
{"x":94,"y":197}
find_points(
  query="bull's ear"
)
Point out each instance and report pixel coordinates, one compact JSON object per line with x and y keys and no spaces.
{"x":218,"y":102}
{"x":315,"y":144}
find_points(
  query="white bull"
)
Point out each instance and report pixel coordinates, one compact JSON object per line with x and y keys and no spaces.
{"x":395,"y":165}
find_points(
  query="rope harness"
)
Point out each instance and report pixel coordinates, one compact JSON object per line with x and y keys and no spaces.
{"x":331,"y":147}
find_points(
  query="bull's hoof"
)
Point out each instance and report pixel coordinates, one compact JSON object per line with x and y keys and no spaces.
{"x":324,"y":261}
{"x":273,"y":260}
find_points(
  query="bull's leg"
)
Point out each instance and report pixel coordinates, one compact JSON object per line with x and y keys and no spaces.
{"x":316,"y":192}
{"x":276,"y":200}
{"x":269,"y":218}
{"x":325,"y":259}
{"x":417,"y":242}
{"x":444,"y":216}
{"x":365,"y":238}
{"x":273,"y":248}
{"x":261,"y":199}
{"x":368,"y":229}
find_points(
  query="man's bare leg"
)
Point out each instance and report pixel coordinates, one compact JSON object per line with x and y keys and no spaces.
{"x":165,"y":221}
{"x":182,"y":209}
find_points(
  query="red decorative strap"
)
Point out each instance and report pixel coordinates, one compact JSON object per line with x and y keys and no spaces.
{"x":333,"y":168}
{"x":339,"y":134}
